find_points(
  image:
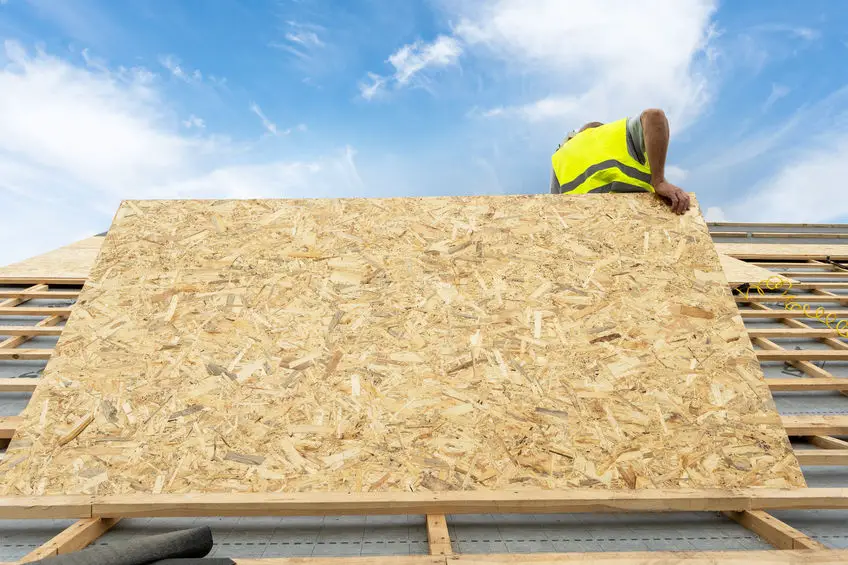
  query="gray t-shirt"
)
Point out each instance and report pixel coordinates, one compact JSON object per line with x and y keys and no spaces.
{"x":635,"y":139}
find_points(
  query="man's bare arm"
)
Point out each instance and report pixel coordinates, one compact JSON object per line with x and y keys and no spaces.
{"x":655,"y":128}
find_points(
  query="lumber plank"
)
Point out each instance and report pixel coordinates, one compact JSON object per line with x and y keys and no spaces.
{"x":768,"y":225}
{"x":17,"y":341}
{"x":438,"y":537}
{"x":34,"y":311}
{"x":788,"y":314}
{"x":798,"y":333}
{"x":822,"y":456}
{"x":64,"y":281}
{"x":8,"y":426}
{"x":43,"y":294}
{"x":769,"y":557}
{"x":782,"y":251}
{"x":34,"y":331}
{"x":776,"y":532}
{"x":803,"y":355}
{"x":26,"y":354}
{"x":827,"y":442}
{"x":815,"y":425}
{"x":18,"y":384}
{"x":448,"y":502}
{"x":78,"y":535}
{"x":815,"y":274}
{"x":753,"y":296}
{"x":801,"y":384}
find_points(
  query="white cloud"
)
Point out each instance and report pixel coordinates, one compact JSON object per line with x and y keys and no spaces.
{"x":778,"y":91}
{"x":369,"y":91}
{"x":715,"y":214}
{"x":307,"y":38}
{"x":807,"y":189}
{"x":657,"y":55}
{"x":799,"y":32}
{"x":675,"y":174}
{"x":411,"y":60}
{"x":194,"y":122}
{"x":268,"y":124}
{"x":173,"y":65}
{"x":78,"y":138}
{"x":302,"y":40}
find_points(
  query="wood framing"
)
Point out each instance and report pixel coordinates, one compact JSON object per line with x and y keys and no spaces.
{"x":73,"y":538}
{"x":776,"y":532}
{"x":838,"y":457}
{"x":811,"y":425}
{"x":394,"y":503}
{"x":827,"y":442}
{"x":438,"y":537}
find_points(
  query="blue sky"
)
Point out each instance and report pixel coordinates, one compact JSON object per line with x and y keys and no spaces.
{"x":106,"y":100}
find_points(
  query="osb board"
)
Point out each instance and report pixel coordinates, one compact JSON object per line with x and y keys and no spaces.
{"x":403,"y":344}
{"x":783,"y":251}
{"x":739,"y":272}
{"x":72,"y":261}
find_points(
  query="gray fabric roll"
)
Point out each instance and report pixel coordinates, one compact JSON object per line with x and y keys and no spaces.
{"x":193,"y":543}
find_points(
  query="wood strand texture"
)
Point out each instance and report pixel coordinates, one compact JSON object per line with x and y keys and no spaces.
{"x":419,"y":344}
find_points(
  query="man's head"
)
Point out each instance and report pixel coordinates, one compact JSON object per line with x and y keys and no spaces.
{"x":584,"y":128}
{"x":590,"y":125}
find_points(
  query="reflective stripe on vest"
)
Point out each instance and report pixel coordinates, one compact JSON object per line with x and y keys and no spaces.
{"x":599,"y":160}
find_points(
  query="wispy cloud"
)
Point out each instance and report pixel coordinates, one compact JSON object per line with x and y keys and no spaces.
{"x":411,"y":60}
{"x":301,"y":40}
{"x":82,"y":137}
{"x":194,"y":122}
{"x":658,"y":57}
{"x":778,"y":91}
{"x":173,"y":65}
{"x":799,"y":32}
{"x":268,"y":124}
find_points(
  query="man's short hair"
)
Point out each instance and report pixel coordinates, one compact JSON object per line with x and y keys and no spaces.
{"x":591,"y":125}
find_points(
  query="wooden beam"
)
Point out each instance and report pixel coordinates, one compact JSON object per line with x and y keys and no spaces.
{"x":815,"y":274}
{"x":754,"y":296}
{"x":77,"y":536}
{"x":45,"y":294}
{"x":438,"y":536}
{"x":18,"y":384}
{"x":782,"y":235}
{"x":827,"y":442}
{"x":769,"y":557}
{"x":779,"y":534}
{"x":448,"y":502}
{"x":798,"y":333}
{"x":803,"y":355}
{"x":822,"y":456}
{"x":26,"y":354}
{"x":787,"y":314}
{"x":801,"y":384}
{"x":33,"y":331}
{"x":773,"y":225}
{"x":8,"y":425}
{"x":815,"y":425}
{"x":34,"y":311}
{"x":21,"y":339}
{"x":69,"y":281}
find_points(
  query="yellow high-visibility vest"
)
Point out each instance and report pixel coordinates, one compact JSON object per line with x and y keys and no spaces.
{"x":599,"y":160}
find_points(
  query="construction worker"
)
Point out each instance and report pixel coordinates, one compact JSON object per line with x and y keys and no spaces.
{"x":623,"y":156}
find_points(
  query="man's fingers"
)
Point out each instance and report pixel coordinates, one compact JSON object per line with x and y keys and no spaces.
{"x":674,"y":200}
{"x":684,"y":202}
{"x":687,"y":203}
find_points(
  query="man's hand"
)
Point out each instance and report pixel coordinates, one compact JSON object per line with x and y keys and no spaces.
{"x":676,"y":198}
